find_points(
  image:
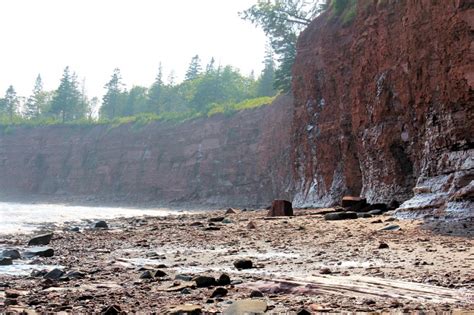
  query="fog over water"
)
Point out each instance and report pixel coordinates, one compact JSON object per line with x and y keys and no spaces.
{"x":24,"y":218}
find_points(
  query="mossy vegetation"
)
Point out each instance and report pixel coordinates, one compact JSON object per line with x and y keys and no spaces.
{"x":7,"y":125}
{"x":345,"y":10}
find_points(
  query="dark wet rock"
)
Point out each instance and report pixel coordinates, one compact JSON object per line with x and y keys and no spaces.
{"x":159,"y":273}
{"x":227,"y":221}
{"x":11,"y":253}
{"x":354,"y":203}
{"x":197,"y":224}
{"x":231,"y":211}
{"x":40,"y":252}
{"x":243,"y":264}
{"x":281,"y":208}
{"x":188,"y":309}
{"x":393,"y":227}
{"x":391,"y":219}
{"x":205,"y":281}
{"x":393,"y":205}
{"x":216,"y":219}
{"x":12,"y":294}
{"x":151,"y":274}
{"x":184,"y":277}
{"x":219,"y":292}
{"x":39,"y":240}
{"x":212,"y":228}
{"x":148,"y":274}
{"x":364,"y":215}
{"x":75,"y":229}
{"x":101,"y":225}
{"x":224,"y":279}
{"x":112,"y":310}
{"x":256,"y":294}
{"x":6,"y":261}
{"x":376,"y":212}
{"x":38,"y":273}
{"x":54,"y":274}
{"x":376,"y":221}
{"x":383,"y":246}
{"x":349,"y":215}
{"x":186,"y":291}
{"x":325,"y":271}
{"x":247,"y":306}
{"x":75,"y":275}
{"x":303,"y":312}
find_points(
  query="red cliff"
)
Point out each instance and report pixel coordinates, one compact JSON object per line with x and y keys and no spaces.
{"x":235,"y":160}
{"x":385,"y":103}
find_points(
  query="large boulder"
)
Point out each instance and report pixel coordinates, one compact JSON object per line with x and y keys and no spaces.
{"x":348,"y":215}
{"x":281,"y":208}
{"x":40,"y":240}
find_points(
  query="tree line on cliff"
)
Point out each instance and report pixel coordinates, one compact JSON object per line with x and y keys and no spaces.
{"x":204,"y":91}
{"x":214,"y":89}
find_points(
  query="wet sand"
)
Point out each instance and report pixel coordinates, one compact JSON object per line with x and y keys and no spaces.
{"x":298,"y":263}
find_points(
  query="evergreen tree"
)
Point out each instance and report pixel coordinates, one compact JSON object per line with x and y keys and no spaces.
{"x":67,"y":99}
{"x":194,"y":69}
{"x":111,"y":102}
{"x":10,"y":102}
{"x":155,"y":93}
{"x":36,"y":103}
{"x":211,"y":67}
{"x":267,"y":78}
{"x":282,"y":21}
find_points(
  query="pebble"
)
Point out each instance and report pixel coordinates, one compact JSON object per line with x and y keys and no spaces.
{"x":243,"y":264}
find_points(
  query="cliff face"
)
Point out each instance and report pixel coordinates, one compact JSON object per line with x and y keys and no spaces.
{"x":236,"y":160}
{"x":385,"y":103}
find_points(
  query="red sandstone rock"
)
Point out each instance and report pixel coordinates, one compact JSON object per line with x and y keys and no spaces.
{"x":281,"y":208}
{"x":385,"y":103}
{"x":238,"y":160}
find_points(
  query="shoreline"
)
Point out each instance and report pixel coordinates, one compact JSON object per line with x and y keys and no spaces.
{"x":300,"y":262}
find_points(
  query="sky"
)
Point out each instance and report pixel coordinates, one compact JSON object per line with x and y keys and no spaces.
{"x":93,"y":37}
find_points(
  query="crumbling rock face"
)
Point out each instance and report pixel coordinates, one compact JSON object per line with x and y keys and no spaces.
{"x":385,"y":103}
{"x":236,"y":160}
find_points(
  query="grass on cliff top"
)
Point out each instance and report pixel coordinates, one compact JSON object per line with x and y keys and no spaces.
{"x":142,"y":119}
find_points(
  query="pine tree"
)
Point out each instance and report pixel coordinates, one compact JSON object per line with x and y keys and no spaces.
{"x":266,"y":81}
{"x":194,"y":69}
{"x":37,"y":101}
{"x":156,"y":91}
{"x":211,"y":67}
{"x":112,"y":99}
{"x":11,"y":102}
{"x":67,"y":99}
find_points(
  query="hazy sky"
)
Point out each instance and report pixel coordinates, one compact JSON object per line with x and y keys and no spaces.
{"x":95,"y":36}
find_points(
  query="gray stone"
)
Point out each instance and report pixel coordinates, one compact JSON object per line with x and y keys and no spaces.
{"x":101,"y":225}
{"x":243,"y":264}
{"x":11,"y":253}
{"x":39,"y":240}
{"x":54,"y":274}
{"x":6,"y":261}
{"x":40,"y":252}
{"x":391,"y":228}
{"x":205,"y":281}
{"x":335,"y":216}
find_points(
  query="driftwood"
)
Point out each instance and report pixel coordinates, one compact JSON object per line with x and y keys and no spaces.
{"x":363,"y":286}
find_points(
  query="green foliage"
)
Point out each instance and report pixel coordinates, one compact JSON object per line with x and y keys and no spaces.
{"x":282,"y":21}
{"x":67,"y":101}
{"x":114,"y":98}
{"x":346,"y":10}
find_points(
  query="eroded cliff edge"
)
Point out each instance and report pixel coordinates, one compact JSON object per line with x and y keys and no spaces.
{"x":385,"y":103}
{"x":238,"y":160}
